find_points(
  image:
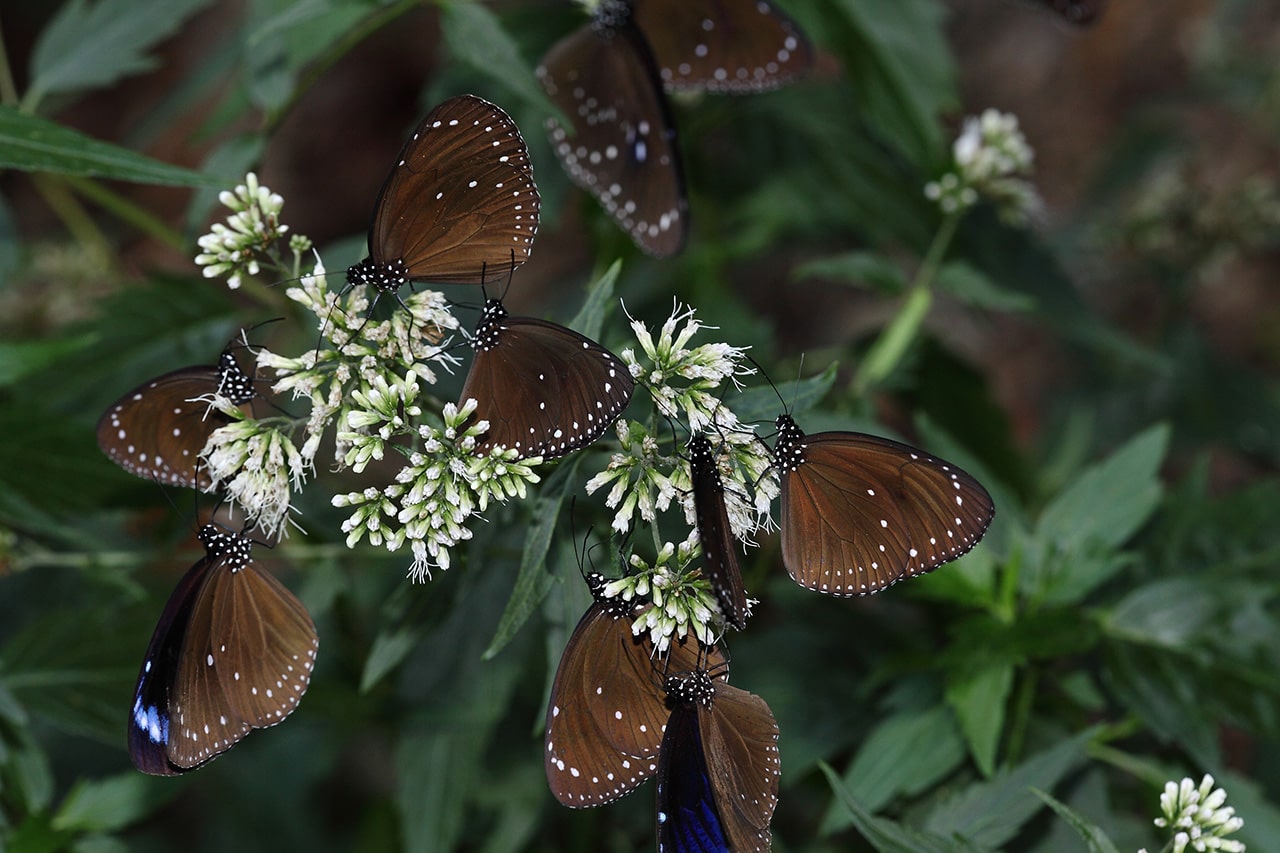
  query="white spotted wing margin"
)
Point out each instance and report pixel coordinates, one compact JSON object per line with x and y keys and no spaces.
{"x":607,"y":711}
{"x":622,"y":144}
{"x":460,"y":201}
{"x":232,"y":652}
{"x":544,"y":389}
{"x":860,"y":512}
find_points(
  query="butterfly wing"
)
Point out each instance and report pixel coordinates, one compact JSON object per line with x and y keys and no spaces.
{"x":460,"y":203}
{"x":606,"y":715}
{"x":544,"y":389}
{"x":729,"y":46}
{"x":232,"y":652}
{"x":158,"y":429}
{"x":622,"y":144}
{"x":862,"y":512}
{"x":740,"y":747}
{"x":719,"y":547}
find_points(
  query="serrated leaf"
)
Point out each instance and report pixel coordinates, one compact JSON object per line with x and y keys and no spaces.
{"x":534,"y":579}
{"x":88,"y":45}
{"x":978,"y":699}
{"x":33,"y":144}
{"x":858,"y":269}
{"x":976,"y":288}
{"x":590,"y":317}
{"x":887,"y":836}
{"x":992,"y":812}
{"x":102,"y":805}
{"x":1095,"y":840}
{"x":903,"y":755}
{"x":476,"y":37}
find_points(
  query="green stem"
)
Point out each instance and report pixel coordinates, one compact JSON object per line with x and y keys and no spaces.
{"x":126,"y":211}
{"x":888,"y":350}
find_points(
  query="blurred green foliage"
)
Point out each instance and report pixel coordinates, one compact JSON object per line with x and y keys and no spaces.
{"x":1116,"y":628}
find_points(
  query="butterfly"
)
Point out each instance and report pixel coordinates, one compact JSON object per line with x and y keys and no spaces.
{"x":232,"y":652}
{"x":606,"y":715}
{"x":718,"y":767}
{"x":544,"y":389}
{"x":459,"y":203}
{"x":724,"y":46}
{"x":621,"y":146}
{"x":158,"y":429}
{"x":719,"y":546}
{"x":859,"y":513}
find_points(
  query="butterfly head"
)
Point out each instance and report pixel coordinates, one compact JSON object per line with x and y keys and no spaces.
{"x":611,"y":16}
{"x":233,"y":382}
{"x":490,"y":326}
{"x":383,"y":276}
{"x":788,"y":450}
{"x":221,"y":545}
{"x":690,"y":688}
{"x":614,"y":605}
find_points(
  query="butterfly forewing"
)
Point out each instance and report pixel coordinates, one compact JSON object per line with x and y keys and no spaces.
{"x":731,"y":46}
{"x":233,"y":652}
{"x":606,"y":715}
{"x":719,"y":547}
{"x":860,"y":513}
{"x":158,"y":429}
{"x":621,"y":147}
{"x":544,"y":389}
{"x":460,"y":203}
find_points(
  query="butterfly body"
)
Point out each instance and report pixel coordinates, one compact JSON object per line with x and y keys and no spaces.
{"x":859,"y":512}
{"x":718,"y":768}
{"x":157,"y":430}
{"x":544,"y":389}
{"x":606,"y":716}
{"x":459,"y":203}
{"x":232,"y":651}
{"x":719,"y":547}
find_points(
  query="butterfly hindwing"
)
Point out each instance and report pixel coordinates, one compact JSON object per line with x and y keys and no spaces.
{"x":544,"y":389}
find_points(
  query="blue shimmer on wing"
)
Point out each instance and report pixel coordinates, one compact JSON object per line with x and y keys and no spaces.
{"x":687,"y":817}
{"x":151,"y":721}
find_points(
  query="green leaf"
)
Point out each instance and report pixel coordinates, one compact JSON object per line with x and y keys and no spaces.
{"x":534,"y":579}
{"x":17,"y":360}
{"x":991,"y":813}
{"x":858,"y":269}
{"x":33,"y":144}
{"x":903,"y":755}
{"x":475,"y":37}
{"x":389,"y":650}
{"x":1095,"y":840}
{"x":88,"y":46}
{"x":10,"y":243}
{"x":901,"y":68}
{"x":284,"y":36}
{"x":599,"y":302}
{"x":105,"y":804}
{"x":979,"y":698}
{"x":976,"y":288}
{"x":762,"y":404}
{"x":886,"y":835}
{"x":1109,"y":501}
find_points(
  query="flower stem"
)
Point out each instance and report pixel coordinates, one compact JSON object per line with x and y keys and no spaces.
{"x":888,"y":350}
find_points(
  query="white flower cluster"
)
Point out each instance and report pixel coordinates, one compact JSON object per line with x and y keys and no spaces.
{"x":444,"y":485}
{"x":681,"y":599}
{"x":252,"y":229}
{"x":991,"y":159}
{"x":645,"y":480}
{"x":256,"y":463}
{"x":1198,"y":817}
